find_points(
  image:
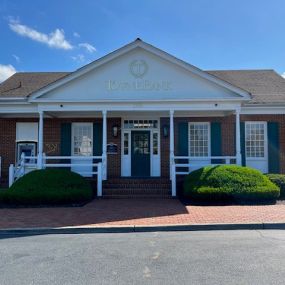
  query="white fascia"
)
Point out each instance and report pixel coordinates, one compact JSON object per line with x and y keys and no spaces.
{"x":262,"y":110}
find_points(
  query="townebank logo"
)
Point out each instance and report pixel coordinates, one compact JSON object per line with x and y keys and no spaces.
{"x":138,"y":68}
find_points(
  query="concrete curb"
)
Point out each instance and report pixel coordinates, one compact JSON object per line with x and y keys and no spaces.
{"x":138,"y":228}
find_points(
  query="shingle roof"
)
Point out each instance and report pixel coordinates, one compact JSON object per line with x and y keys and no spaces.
{"x":265,"y":86}
{"x":23,"y":84}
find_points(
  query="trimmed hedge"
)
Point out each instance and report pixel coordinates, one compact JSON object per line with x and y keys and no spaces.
{"x":279,"y":180}
{"x":229,"y":182}
{"x":48,"y":187}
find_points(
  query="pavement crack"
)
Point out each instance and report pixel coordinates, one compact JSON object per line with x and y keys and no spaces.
{"x":267,"y":237}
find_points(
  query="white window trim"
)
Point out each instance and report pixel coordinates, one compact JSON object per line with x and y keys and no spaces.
{"x":72,"y":135}
{"x":209,"y":138}
{"x":265,"y":141}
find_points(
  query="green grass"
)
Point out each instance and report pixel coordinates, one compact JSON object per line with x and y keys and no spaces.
{"x":229,"y":182}
{"x":48,"y":187}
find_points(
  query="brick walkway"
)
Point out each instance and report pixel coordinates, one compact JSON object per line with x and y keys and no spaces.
{"x":138,"y":212}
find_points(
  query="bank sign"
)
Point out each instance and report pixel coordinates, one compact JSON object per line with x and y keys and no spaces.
{"x":138,"y":68}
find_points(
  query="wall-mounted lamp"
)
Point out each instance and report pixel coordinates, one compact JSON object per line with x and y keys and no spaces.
{"x":115,"y":131}
{"x":165,"y":131}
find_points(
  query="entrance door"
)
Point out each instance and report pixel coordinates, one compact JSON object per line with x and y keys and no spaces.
{"x":82,"y":146}
{"x":140,"y":153}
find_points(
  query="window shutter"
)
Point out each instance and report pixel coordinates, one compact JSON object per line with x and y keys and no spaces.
{"x":65,"y":140}
{"x":183,"y":139}
{"x":216,"y":141}
{"x":242,"y":143}
{"x":97,"y":139}
{"x":273,"y":147}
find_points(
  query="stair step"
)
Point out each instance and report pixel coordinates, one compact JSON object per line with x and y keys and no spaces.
{"x":117,"y":193}
{"x":107,"y":196}
{"x":137,"y":190}
{"x":136,"y":186}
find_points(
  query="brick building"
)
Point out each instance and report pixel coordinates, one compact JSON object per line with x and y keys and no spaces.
{"x":140,"y":113}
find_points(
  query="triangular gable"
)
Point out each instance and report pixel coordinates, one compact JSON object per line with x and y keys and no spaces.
{"x":138,"y":66}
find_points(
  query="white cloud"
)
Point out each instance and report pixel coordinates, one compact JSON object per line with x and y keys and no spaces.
{"x":16,"y":58}
{"x":55,"y":39}
{"x":6,"y":71}
{"x":88,"y":47}
{"x":283,"y":74}
{"x":80,"y":58}
{"x":76,"y":35}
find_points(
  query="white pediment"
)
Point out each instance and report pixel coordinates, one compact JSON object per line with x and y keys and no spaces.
{"x":139,"y":74}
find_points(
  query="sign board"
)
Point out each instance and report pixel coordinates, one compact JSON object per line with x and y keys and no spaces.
{"x":112,"y":148}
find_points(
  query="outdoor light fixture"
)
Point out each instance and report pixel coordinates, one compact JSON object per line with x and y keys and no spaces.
{"x":115,"y":131}
{"x":165,"y":130}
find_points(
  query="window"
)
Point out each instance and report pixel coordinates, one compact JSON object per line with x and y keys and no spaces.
{"x":155,"y":143}
{"x":126,"y":143}
{"x":255,"y":139}
{"x":199,"y":139}
{"x":82,"y":139}
{"x":140,"y":124}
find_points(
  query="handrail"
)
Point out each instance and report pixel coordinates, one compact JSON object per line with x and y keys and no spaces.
{"x":73,"y":157}
{"x":204,"y":157}
{"x":15,"y":172}
{"x":202,"y":161}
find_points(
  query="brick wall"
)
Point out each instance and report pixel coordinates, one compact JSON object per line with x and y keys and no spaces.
{"x":52,"y":138}
{"x":7,"y":144}
{"x":52,"y":133}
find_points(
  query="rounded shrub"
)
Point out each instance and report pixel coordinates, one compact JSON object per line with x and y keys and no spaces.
{"x":228,"y":182}
{"x":279,"y":180}
{"x":48,"y":186}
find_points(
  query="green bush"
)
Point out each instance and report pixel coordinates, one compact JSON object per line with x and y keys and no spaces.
{"x":228,"y":182}
{"x":279,"y":180}
{"x":48,"y":187}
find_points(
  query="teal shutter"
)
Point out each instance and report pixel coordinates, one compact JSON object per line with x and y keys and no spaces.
{"x":273,"y":147}
{"x":242,"y":143}
{"x":97,"y":139}
{"x":216,"y":141}
{"x":182,"y":148}
{"x":65,"y":139}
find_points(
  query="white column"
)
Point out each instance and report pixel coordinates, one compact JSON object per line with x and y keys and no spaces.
{"x":171,"y":145}
{"x":238,"y":148}
{"x":40,"y":140}
{"x":104,"y":147}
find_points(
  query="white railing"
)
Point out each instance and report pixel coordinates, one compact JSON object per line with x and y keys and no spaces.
{"x":29,"y":163}
{"x":192,"y":163}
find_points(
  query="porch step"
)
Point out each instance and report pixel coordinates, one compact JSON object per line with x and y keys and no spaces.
{"x":137,"y":188}
{"x":135,"y":193}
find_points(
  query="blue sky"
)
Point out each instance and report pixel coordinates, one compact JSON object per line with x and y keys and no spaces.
{"x":63,"y":35}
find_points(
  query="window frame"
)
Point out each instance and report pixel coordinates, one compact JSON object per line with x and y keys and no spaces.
{"x":72,"y":137}
{"x":209,"y":139}
{"x":265,"y":157}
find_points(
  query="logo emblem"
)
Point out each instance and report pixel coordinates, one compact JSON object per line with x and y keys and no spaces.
{"x":138,"y":68}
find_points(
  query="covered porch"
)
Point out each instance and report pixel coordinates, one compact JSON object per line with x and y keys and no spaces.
{"x":137,"y":142}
